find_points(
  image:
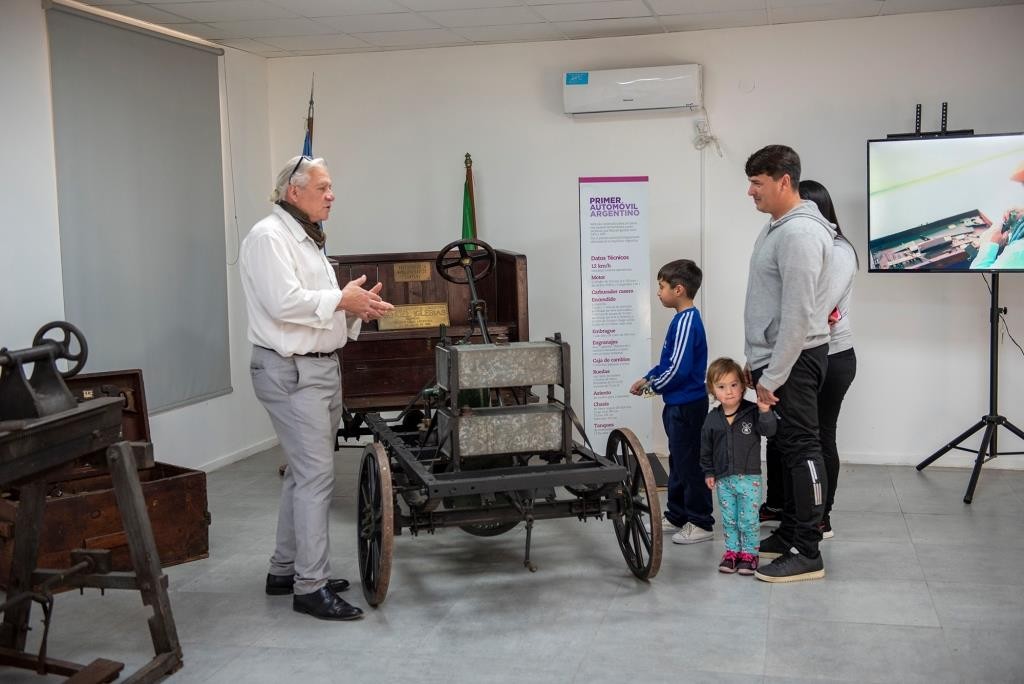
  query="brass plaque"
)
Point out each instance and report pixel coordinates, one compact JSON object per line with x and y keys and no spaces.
{"x":412,"y":271}
{"x":415,"y":316}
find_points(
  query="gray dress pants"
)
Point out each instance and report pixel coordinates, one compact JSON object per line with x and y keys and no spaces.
{"x":302,"y":394}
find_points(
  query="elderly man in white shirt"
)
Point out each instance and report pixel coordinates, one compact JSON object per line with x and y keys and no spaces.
{"x":298,"y":318}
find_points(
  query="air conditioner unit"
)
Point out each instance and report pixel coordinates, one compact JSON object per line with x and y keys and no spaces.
{"x":618,"y":90}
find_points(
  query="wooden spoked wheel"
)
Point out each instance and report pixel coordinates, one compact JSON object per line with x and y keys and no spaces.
{"x":376,"y":523}
{"x":638,"y":529}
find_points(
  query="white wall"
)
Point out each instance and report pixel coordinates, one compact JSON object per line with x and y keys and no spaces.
{"x":204,"y":435}
{"x":395,"y":125}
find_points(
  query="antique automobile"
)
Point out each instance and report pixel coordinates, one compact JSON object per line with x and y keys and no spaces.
{"x":489,"y":441}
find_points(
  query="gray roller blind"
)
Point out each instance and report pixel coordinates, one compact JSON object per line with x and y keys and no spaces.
{"x":141,"y":201}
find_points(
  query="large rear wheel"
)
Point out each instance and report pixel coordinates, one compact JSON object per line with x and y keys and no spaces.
{"x":638,"y":529}
{"x":376,"y":523}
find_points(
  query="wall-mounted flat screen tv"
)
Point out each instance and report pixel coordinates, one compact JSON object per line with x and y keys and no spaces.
{"x":946,"y":204}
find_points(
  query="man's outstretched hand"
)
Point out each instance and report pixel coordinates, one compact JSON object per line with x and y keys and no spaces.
{"x":364,"y":303}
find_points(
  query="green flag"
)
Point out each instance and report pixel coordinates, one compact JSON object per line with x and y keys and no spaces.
{"x":468,"y":205}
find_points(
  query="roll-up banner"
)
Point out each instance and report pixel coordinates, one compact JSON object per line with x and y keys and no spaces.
{"x":615,"y":268}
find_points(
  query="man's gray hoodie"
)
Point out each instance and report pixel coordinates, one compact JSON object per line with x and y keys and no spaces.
{"x":787,"y":303}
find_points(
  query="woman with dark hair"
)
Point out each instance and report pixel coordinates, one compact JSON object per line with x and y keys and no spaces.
{"x":842,"y":361}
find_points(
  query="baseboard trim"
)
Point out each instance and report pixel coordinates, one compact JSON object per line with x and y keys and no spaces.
{"x":234,"y":456}
{"x":948,"y":460}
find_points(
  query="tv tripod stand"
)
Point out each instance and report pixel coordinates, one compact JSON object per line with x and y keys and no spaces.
{"x":991,"y":422}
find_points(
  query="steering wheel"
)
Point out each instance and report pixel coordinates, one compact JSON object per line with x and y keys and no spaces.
{"x":71,"y":334}
{"x":448,"y":267}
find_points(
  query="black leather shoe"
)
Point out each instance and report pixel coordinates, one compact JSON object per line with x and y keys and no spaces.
{"x":325,"y":605}
{"x":280,"y":585}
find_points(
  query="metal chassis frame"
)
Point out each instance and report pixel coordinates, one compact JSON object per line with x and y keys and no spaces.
{"x":602,"y":475}
{"x":599,"y":471}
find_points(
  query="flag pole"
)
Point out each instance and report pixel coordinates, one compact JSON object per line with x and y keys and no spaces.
{"x":468,"y":203}
{"x":307,"y":143}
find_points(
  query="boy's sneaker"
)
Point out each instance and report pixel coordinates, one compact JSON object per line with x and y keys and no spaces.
{"x":666,"y":526}
{"x":769,"y":514}
{"x":728,"y":564}
{"x":773,"y":546}
{"x":792,"y":567}
{"x":825,"y":527}
{"x":747,"y":564}
{"x":691,"y":534}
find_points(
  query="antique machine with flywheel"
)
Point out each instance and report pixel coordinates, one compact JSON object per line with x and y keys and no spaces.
{"x":491,"y":443}
{"x":44,"y":430}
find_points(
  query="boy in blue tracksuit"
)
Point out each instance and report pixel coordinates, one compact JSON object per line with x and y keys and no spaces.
{"x":679,"y":379}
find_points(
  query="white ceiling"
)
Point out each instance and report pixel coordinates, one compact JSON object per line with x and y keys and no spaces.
{"x":286,"y":28}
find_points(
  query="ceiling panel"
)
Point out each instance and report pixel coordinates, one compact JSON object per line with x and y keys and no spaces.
{"x":704,"y":6}
{"x":318,"y":53}
{"x":714,"y":20}
{"x":846,"y":10}
{"x":372,"y":25}
{"x":145,"y":13}
{"x":437,"y":5}
{"x":307,"y":43}
{"x":490,"y":16}
{"x":421,"y":38}
{"x":511,"y":34}
{"x":583,"y":11}
{"x":602,"y":28}
{"x":333,"y":8}
{"x":226,"y":10}
{"x":262,"y":28}
{"x":369,"y":23}
{"x":206,"y":31}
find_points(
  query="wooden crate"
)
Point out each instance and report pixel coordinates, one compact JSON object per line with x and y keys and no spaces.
{"x":82,"y":513}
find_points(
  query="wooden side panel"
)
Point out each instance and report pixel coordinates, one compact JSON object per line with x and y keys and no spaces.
{"x":386,"y":369}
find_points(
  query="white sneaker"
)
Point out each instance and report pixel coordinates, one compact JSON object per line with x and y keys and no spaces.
{"x":666,"y":526}
{"x":691,"y":534}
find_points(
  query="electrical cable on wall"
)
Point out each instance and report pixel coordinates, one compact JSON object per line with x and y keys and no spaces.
{"x":231,"y":163}
{"x":704,"y":136}
{"x":702,"y":208}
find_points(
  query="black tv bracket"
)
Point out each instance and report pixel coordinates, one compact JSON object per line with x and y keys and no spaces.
{"x":941,"y":133}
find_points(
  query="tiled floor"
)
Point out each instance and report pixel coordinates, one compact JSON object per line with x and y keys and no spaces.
{"x":920,"y":588}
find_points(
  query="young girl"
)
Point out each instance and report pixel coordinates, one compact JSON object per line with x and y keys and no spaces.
{"x":730,"y":456}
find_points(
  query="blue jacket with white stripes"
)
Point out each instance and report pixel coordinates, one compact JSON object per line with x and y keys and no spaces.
{"x":679,"y":376}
